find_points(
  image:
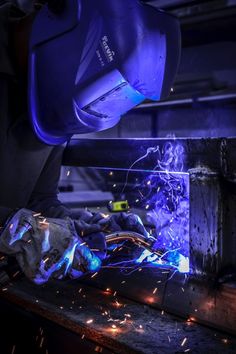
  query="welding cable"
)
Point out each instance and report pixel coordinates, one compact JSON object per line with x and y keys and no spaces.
{"x":136,"y":238}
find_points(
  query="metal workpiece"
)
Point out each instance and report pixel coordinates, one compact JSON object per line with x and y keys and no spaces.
{"x":113,"y":323}
{"x":210,"y":167}
{"x":213,"y":153}
{"x":205,"y":233}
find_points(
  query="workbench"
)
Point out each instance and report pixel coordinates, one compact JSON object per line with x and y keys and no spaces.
{"x":76,"y":318}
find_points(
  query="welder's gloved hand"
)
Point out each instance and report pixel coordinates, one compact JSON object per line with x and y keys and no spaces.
{"x":87,"y":226}
{"x":46,"y":248}
{"x":117,"y":222}
{"x":123,"y":222}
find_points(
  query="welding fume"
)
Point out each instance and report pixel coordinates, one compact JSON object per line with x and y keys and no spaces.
{"x":71,"y":67}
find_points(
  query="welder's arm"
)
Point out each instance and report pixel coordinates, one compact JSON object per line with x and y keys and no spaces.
{"x":44,"y":197}
{"x":46,"y":248}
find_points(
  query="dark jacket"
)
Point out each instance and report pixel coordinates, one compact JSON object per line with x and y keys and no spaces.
{"x":29,"y":169}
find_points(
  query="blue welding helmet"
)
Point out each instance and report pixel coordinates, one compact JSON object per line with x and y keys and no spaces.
{"x":96,"y":60}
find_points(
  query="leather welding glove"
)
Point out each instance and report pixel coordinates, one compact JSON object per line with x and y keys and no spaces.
{"x":97,"y":222}
{"x":123,"y":222}
{"x":46,"y":248}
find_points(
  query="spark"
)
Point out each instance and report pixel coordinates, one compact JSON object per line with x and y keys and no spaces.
{"x":149,"y":150}
{"x":68,"y":173}
{"x":89,"y":321}
{"x":108,"y":291}
{"x":191,"y":319}
{"x":105,"y":216}
{"x":16,"y":273}
{"x":154,"y":291}
{"x":127,"y":315}
{"x":41,"y":343}
{"x":94,"y":275}
{"x":183,"y":342}
{"x":117,"y":304}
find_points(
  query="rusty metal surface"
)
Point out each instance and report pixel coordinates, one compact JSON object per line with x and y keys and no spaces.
{"x":138,"y":328}
{"x":206,"y":221}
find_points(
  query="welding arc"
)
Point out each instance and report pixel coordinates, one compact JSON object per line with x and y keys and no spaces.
{"x":134,"y":237}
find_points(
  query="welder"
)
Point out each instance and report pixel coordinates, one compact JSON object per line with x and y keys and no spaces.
{"x":70,"y":67}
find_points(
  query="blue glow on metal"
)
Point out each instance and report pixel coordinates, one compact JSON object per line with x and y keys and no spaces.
{"x":170,"y":258}
{"x":95,"y":264}
{"x":163,"y":192}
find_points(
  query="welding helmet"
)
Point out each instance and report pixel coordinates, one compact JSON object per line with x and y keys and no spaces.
{"x":94,"y":61}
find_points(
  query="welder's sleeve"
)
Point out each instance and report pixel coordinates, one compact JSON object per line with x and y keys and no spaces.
{"x":46,"y":248}
{"x":44,"y":198}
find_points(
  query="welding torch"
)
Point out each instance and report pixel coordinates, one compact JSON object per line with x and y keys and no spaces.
{"x":100,"y":241}
{"x":140,"y":240}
